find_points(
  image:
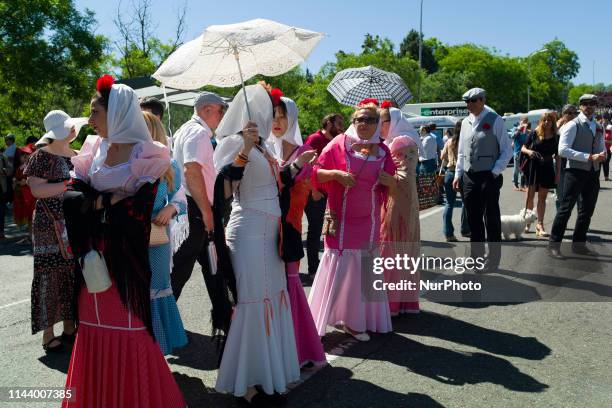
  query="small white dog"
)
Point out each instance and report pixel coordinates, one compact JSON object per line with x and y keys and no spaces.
{"x":515,"y":224}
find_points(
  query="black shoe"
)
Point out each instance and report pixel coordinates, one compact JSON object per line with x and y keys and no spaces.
{"x":466,"y":235}
{"x":489,"y":267}
{"x":555,"y":253}
{"x":258,"y":400}
{"x":274,"y":400}
{"x":55,"y":349}
{"x":583,"y":250}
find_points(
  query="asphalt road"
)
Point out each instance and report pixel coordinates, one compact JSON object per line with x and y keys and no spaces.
{"x":537,"y":336}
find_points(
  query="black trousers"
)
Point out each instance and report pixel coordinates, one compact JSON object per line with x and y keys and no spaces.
{"x":583,"y":184}
{"x":315,"y":211}
{"x":193,"y":249}
{"x":481,"y":201}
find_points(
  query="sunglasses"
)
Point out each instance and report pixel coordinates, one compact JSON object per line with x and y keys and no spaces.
{"x":366,"y":120}
{"x":472,"y":100}
{"x":589,"y":103}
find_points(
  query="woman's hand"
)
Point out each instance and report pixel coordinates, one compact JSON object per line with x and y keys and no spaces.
{"x":164,"y":216}
{"x":306,"y":157}
{"x":386,"y":179}
{"x":250,"y":135}
{"x":345,"y":178}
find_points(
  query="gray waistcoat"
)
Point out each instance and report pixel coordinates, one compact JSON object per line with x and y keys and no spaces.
{"x":584,"y":142}
{"x":481,"y":148}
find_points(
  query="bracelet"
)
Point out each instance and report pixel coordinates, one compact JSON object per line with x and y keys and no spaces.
{"x":240,"y":160}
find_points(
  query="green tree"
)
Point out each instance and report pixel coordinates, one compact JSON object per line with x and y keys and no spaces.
{"x":140,"y":52}
{"x":504,"y":78}
{"x":551,"y":72}
{"x":445,"y":86}
{"x":576,"y":91}
{"x":410,"y":47}
{"x":50,"y":59}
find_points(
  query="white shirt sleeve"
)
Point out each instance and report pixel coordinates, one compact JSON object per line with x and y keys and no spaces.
{"x":197,"y":148}
{"x":505,"y":147}
{"x":567,"y":135}
{"x":460,"y":156}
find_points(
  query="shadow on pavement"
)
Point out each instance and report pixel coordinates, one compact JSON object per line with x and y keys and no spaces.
{"x":12,"y":248}
{"x":334,"y":386}
{"x":458,"y":331}
{"x":59,"y":361}
{"x":200,"y":353}
{"x":447,"y":366}
{"x":197,"y":395}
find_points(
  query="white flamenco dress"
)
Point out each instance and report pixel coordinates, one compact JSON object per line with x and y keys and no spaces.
{"x":260,"y":347}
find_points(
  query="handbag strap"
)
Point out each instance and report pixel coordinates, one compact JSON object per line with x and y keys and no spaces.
{"x":47,"y":209}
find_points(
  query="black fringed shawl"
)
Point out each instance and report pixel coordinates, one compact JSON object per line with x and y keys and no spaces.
{"x":226,"y":280}
{"x":123,"y":238}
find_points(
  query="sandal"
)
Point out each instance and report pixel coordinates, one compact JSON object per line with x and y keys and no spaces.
{"x":55,"y":349}
{"x":540,"y":231}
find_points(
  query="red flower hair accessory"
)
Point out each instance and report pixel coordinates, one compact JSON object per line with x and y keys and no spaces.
{"x":276,"y":95}
{"x":368,"y":101}
{"x":105,"y":83}
{"x":386,"y":105}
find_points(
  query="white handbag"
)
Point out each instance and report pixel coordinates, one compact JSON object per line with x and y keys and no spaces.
{"x":95,"y":272}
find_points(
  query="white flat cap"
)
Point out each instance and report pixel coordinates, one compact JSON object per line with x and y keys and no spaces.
{"x":208,"y":98}
{"x":588,"y":98}
{"x":474,"y":93}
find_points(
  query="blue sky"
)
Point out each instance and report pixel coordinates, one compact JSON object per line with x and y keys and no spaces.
{"x":515,"y":28}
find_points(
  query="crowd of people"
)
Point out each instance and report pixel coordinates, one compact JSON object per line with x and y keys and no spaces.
{"x":118,"y":226}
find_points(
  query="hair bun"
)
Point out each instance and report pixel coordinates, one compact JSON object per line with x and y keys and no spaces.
{"x":105,"y":83}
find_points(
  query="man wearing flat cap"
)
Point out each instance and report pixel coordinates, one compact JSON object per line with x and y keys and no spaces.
{"x":483,"y":154}
{"x":193,"y":152}
{"x":581,"y":142}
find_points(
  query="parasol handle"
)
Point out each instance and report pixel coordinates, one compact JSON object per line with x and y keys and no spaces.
{"x":237,"y":56}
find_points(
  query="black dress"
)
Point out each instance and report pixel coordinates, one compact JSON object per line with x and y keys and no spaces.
{"x":541,"y":173}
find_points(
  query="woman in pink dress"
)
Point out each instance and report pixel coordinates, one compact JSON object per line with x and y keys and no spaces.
{"x":286,"y":145}
{"x":356,"y":171}
{"x":116,"y":361}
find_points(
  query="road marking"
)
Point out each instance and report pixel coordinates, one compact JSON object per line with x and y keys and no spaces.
{"x":14,"y":303}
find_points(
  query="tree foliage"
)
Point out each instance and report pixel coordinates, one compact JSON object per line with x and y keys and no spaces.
{"x":140,"y":51}
{"x":50,"y":59}
{"x":410,"y":47}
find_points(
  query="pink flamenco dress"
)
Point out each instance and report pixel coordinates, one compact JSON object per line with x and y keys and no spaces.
{"x":400,"y":232}
{"x":294,"y":197}
{"x":338,"y":295}
{"x":116,"y":361}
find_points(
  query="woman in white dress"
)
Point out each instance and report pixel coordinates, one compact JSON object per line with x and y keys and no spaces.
{"x":260,"y":357}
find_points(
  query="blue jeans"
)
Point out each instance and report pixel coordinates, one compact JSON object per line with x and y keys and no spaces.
{"x":517,"y":172}
{"x":447,"y":215}
{"x":427,"y":166}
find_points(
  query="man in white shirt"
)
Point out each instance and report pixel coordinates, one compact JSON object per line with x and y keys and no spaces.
{"x":581,"y":142}
{"x":428,"y":157}
{"x":483,"y":154}
{"x":193,"y":152}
